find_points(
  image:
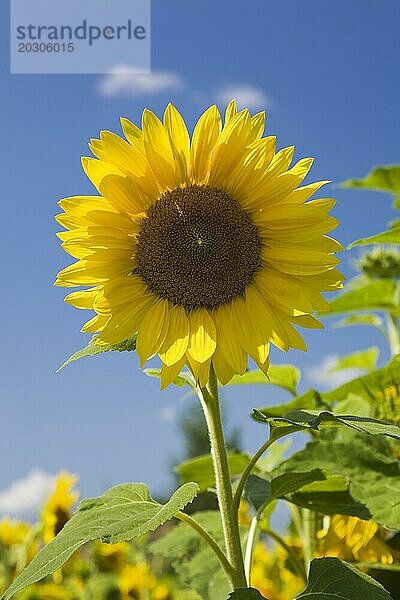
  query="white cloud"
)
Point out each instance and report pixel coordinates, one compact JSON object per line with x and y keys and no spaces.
{"x":246,"y":96}
{"x":25,"y":496}
{"x":319,"y":374}
{"x":168,"y":414}
{"x":122,"y":82}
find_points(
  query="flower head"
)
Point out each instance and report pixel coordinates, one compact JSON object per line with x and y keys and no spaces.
{"x":203,"y":247}
{"x":57,"y":508}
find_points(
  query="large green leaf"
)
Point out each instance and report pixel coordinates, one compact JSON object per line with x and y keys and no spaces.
{"x":284,"y":376}
{"x":259,"y":491}
{"x":377,"y":294}
{"x":299,"y":420}
{"x":93,"y":348}
{"x":364,"y":359}
{"x":201,"y":470}
{"x":373,"y":388}
{"x":370,"y":473}
{"x":390,"y":236}
{"x":381,"y":179}
{"x":192,"y":559}
{"x":184,"y":378}
{"x":362,"y":319}
{"x":124,"y":512}
{"x":246,"y":594}
{"x":333,"y":579}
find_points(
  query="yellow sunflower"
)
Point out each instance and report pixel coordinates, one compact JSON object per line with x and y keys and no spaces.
{"x":203,"y":247}
{"x":57,"y":509}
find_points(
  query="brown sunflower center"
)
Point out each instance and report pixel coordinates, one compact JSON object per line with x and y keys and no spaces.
{"x":197,"y":247}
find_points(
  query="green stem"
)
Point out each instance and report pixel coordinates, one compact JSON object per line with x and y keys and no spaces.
{"x":309,"y":538}
{"x":251,"y":541}
{"x":246,"y":473}
{"x":298,"y":565}
{"x":210,"y":541}
{"x":210,"y":402}
{"x":393,"y":333}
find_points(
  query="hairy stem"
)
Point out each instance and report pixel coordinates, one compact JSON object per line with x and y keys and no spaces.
{"x":246,"y":473}
{"x":210,"y":402}
{"x":210,"y":541}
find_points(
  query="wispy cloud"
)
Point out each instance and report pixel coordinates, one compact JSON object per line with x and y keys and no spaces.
{"x":168,"y":414}
{"x":122,"y":82}
{"x":246,"y":96}
{"x":25,"y":496}
{"x":321,"y":375}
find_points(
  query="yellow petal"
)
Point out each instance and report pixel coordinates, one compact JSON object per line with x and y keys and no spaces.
{"x":223,"y":370}
{"x":230,"y":111}
{"x":201,"y":371}
{"x":227,"y":340}
{"x":180,"y":142}
{"x":203,"y":335}
{"x":96,"y":170}
{"x":296,"y":261}
{"x":126,"y":321}
{"x":169,"y":374}
{"x":205,"y":136}
{"x":177,"y":338}
{"x":123,"y":194}
{"x":152,"y":331}
{"x":83,"y":299}
{"x":96,"y":324}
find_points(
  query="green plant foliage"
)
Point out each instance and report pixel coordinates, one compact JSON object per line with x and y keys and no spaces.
{"x":124,"y":512}
{"x":334,"y":579}
{"x":363,"y":319}
{"x":363,"y":479}
{"x":192,"y":559}
{"x":390,"y":236}
{"x":284,"y":376}
{"x":380,"y":179}
{"x":201,"y":470}
{"x":299,"y":420}
{"x":364,"y":359}
{"x":185,"y":378}
{"x":260,"y":491}
{"x":370,"y":388}
{"x":246,"y":594}
{"x":92,"y":349}
{"x":377,"y":294}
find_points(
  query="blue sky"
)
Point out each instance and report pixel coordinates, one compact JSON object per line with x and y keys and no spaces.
{"x":327,"y":74}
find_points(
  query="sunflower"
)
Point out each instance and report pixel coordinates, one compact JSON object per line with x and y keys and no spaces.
{"x":205,"y":248}
{"x":57,"y":509}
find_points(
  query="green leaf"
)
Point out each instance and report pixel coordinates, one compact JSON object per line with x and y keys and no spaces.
{"x":124,"y":512}
{"x":370,"y":473}
{"x":201,"y":470}
{"x":371,"y":387}
{"x":185,"y":378}
{"x":299,"y":420}
{"x":311,"y":400}
{"x":363,"y":319}
{"x":390,"y":236}
{"x":364,"y":359}
{"x":381,"y":179}
{"x":284,"y":376}
{"x":333,"y":579}
{"x":246,"y":594}
{"x":259,"y":491}
{"x":377,"y":294}
{"x":92,"y":349}
{"x":188,"y":554}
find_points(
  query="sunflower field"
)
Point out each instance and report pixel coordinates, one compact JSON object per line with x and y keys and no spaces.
{"x":201,"y":251}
